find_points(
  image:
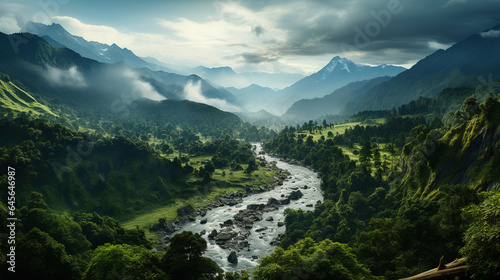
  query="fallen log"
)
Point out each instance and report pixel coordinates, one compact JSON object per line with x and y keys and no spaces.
{"x":450,"y":270}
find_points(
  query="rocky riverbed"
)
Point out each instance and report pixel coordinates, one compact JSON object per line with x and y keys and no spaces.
{"x":242,"y":227}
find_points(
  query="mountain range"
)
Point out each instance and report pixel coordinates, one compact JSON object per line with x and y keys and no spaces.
{"x":64,"y":76}
{"x":59,"y":37}
{"x":337,"y":73}
{"x":227,"y":77}
{"x":466,"y":63}
{"x":332,"y":103}
{"x":100,"y":74}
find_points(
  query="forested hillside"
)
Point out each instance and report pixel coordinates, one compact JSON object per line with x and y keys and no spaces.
{"x":400,"y":218}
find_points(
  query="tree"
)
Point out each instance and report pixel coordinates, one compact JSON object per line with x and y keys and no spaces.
{"x":123,"y":262}
{"x":470,"y":107}
{"x":184,"y":259}
{"x":436,"y":123}
{"x":310,"y":260}
{"x":376,"y":157}
{"x":251,"y":166}
{"x":40,"y":255}
{"x":392,"y":152}
{"x":61,"y":227}
{"x":365,"y":154}
{"x":482,"y":238}
{"x":379,"y":248}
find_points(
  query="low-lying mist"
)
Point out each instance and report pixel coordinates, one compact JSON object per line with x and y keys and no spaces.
{"x":193,"y":92}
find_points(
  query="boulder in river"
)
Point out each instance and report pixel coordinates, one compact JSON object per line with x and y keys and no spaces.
{"x":261,"y":229}
{"x":228,"y":222}
{"x":203,"y":221}
{"x":232,"y":258}
{"x":280,"y":224}
{"x":213,"y":234}
{"x":224,"y":236}
{"x":203,"y":212}
{"x":285,"y":201}
{"x":269,"y":219}
{"x":256,"y":206}
{"x":272,"y":201}
{"x":169,"y":228}
{"x":295,"y":195}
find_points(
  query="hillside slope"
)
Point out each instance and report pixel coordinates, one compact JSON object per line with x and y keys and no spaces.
{"x":466,"y":63}
{"x":467,"y":154}
{"x":12,"y":98}
{"x":332,"y":103}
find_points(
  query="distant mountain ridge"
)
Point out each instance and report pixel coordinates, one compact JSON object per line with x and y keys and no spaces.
{"x":463,"y":64}
{"x":65,"y":76}
{"x":94,"y":50}
{"x":253,"y":96}
{"x":333,"y":103}
{"x":337,"y":73}
{"x":227,"y":77}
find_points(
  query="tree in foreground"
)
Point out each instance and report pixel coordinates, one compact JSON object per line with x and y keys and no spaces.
{"x":184,"y":259}
{"x":123,"y":262}
{"x":482,"y":239}
{"x":41,"y":256}
{"x":308,"y":259}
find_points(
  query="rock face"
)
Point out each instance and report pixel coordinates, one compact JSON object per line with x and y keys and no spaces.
{"x":475,"y":146}
{"x":232,"y":258}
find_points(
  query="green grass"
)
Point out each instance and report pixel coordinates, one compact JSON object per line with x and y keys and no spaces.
{"x":17,"y":100}
{"x":199,"y":196}
{"x":339,"y":128}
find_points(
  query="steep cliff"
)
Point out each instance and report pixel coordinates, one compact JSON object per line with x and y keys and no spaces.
{"x":466,"y":154}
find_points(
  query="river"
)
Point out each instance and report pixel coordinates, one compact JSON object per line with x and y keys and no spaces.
{"x":260,"y":239}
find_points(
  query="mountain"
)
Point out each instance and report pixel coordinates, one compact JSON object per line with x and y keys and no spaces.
{"x":331,"y":104}
{"x":466,"y":63}
{"x":337,"y":73}
{"x":13,"y":98}
{"x":227,"y":77}
{"x":252,"y":96}
{"x":57,"y":36}
{"x":272,"y":80}
{"x":64,"y":76}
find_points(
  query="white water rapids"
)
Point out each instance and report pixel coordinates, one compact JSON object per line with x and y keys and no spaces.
{"x":259,"y":241}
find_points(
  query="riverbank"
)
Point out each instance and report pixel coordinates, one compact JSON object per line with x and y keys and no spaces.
{"x":204,"y":197}
{"x":251,"y":228}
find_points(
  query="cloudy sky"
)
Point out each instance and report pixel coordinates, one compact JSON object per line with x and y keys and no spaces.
{"x":294,"y":36}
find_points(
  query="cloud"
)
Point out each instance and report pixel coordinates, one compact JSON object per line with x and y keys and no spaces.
{"x":491,"y":34}
{"x":257,"y":30}
{"x":283,"y":35}
{"x":9,"y":25}
{"x":453,"y":2}
{"x":257,"y":58}
{"x":326,"y":27}
{"x":70,"y":77}
{"x":10,"y":17}
{"x":192,"y":92}
{"x":140,"y":88}
{"x":98,"y":33}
